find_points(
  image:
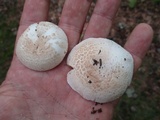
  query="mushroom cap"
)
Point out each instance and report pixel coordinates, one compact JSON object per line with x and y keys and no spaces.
{"x":102,"y":69}
{"x":42,"y":46}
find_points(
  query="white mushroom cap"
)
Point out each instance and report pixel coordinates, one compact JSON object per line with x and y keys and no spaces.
{"x":42,"y":46}
{"x":102,"y":69}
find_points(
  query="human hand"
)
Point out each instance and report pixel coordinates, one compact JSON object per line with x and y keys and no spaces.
{"x":31,"y":95}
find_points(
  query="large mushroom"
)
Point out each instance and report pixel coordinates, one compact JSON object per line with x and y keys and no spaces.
{"x":42,"y":46}
{"x":102,"y":69}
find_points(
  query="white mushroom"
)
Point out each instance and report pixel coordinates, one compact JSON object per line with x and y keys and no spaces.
{"x":102,"y":69}
{"x":42,"y":46}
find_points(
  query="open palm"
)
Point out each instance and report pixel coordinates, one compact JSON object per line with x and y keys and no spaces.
{"x":31,"y":95}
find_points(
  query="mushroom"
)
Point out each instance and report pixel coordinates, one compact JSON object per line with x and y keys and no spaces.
{"x":42,"y":46}
{"x":102,"y":69}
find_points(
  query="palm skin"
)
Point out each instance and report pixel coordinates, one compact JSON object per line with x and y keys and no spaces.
{"x":31,"y":95}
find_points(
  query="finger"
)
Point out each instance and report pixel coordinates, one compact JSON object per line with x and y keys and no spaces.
{"x":33,"y":11}
{"x":139,"y":42}
{"x":73,"y":18}
{"x":102,"y":17}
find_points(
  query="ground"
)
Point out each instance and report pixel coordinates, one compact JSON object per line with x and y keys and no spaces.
{"x":142,"y":99}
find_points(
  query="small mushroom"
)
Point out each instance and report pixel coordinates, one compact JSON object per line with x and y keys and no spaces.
{"x":105,"y":63}
{"x":42,"y":46}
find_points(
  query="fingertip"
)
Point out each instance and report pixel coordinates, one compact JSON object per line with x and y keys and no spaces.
{"x":138,"y":42}
{"x":148,"y":29}
{"x":34,"y":11}
{"x":143,"y":31}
